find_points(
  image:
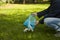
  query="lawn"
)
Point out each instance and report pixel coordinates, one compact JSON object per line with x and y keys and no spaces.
{"x":12,"y":17}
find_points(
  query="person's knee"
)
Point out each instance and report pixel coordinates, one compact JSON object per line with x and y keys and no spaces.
{"x":47,"y":20}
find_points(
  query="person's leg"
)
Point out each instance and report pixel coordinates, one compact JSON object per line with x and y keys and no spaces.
{"x":53,"y":23}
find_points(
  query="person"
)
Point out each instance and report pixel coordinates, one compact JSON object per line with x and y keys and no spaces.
{"x":51,"y":16}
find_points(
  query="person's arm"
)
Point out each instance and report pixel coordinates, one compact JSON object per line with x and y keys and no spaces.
{"x":46,"y":11}
{"x":43,"y":13}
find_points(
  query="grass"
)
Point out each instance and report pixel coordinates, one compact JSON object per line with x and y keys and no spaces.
{"x":12,"y":17}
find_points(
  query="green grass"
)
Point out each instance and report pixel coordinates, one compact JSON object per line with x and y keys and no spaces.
{"x":12,"y":17}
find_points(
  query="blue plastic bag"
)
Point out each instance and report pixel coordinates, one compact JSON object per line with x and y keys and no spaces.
{"x":30,"y":22}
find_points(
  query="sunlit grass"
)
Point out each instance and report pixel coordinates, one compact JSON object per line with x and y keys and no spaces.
{"x":12,"y":9}
{"x":12,"y":17}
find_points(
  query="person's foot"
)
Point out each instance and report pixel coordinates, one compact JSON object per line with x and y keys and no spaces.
{"x":31,"y":29}
{"x":26,"y":29}
{"x":57,"y":34}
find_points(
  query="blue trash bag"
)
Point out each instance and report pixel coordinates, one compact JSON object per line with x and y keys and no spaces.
{"x":30,"y":22}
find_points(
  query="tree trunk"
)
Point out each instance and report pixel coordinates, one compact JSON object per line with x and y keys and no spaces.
{"x":24,"y":1}
{"x":35,"y":1}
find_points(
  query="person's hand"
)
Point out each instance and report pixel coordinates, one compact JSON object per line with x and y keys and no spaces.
{"x":37,"y":22}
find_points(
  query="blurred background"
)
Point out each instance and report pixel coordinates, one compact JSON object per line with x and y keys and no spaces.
{"x":13,"y":14}
{"x":24,"y":1}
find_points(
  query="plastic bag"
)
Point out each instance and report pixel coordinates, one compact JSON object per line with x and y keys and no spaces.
{"x":30,"y":22}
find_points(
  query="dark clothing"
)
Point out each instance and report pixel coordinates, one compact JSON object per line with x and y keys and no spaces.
{"x":52,"y":11}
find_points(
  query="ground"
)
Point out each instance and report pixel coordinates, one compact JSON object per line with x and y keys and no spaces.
{"x":12,"y":17}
